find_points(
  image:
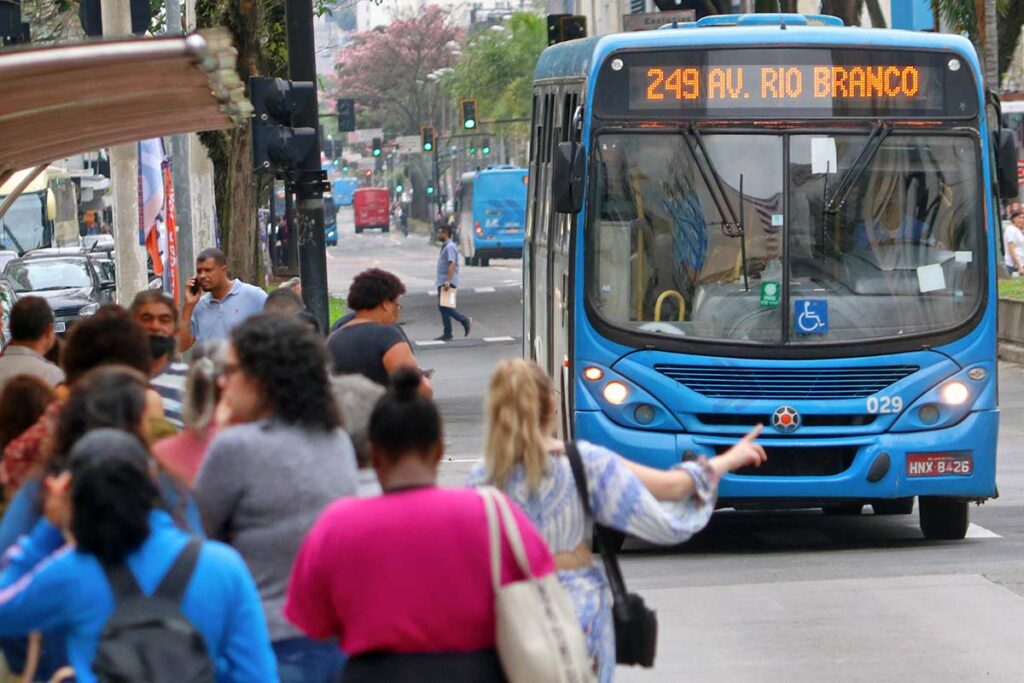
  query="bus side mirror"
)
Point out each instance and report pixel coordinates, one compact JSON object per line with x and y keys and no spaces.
{"x":568,"y":172}
{"x":1006,"y":164}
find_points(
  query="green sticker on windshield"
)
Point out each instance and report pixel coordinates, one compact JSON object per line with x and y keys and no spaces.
{"x":770,"y":292}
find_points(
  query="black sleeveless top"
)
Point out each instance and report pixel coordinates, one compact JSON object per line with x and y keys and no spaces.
{"x":359,"y":349}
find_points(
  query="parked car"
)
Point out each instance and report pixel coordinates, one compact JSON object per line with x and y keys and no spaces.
{"x":69,"y":281}
{"x":6,"y":257}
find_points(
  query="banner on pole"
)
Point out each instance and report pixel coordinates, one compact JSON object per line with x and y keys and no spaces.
{"x":171,"y":282}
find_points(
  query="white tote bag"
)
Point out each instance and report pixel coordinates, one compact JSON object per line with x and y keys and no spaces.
{"x":539,"y":639}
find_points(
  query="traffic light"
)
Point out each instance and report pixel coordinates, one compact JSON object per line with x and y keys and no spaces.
{"x":346,"y":115}
{"x":427,"y":138}
{"x":399,"y":188}
{"x":563,"y":27}
{"x":376,"y":147}
{"x":278,"y":146}
{"x":344,"y":169}
{"x":469,"y":114}
{"x":472,"y":151}
{"x":486,"y":149}
{"x":430,"y":189}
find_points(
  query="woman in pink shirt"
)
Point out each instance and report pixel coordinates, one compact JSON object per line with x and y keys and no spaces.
{"x":403,"y":579}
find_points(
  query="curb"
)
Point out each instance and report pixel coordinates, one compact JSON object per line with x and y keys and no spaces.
{"x":1011,"y":352}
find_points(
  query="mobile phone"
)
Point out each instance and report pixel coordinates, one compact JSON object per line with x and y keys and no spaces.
{"x":194,"y":288}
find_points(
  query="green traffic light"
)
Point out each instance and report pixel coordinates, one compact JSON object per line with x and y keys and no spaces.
{"x":399,"y":188}
{"x":335,"y":162}
{"x":345,"y":168}
{"x":486,"y":150}
{"x":472,"y":151}
{"x":470,"y":124}
{"x":430,"y":189}
{"x":376,"y":152}
{"x":427,"y":146}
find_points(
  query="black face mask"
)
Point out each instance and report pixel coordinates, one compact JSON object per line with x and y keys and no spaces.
{"x":160,"y":346}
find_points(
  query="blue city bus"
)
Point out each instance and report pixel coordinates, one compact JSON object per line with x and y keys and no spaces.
{"x":342,"y":189}
{"x":491,"y":205}
{"x":777,"y":220}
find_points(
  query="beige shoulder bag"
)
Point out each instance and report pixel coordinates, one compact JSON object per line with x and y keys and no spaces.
{"x":538,"y":638}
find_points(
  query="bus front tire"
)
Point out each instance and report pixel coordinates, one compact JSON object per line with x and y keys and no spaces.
{"x":359,"y":231}
{"x":386,"y":228}
{"x":943,"y":519}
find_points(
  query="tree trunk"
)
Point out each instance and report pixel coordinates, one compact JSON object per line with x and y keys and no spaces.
{"x":989,"y":30}
{"x":847,"y":10}
{"x":236,"y":209}
{"x":1010,"y":24}
{"x":875,"y":12}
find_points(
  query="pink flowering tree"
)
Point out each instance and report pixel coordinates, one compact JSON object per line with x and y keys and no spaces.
{"x":386,"y":72}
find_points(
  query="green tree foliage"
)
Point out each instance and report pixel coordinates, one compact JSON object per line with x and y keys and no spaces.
{"x":497,"y":67}
{"x":967,"y":16}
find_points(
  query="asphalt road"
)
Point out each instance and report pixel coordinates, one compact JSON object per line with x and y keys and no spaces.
{"x":757,"y":596}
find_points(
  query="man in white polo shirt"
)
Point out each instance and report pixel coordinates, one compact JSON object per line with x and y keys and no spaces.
{"x":32,"y":335}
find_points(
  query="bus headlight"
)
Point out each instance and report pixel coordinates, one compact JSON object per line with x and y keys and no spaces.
{"x":593,"y":373}
{"x":615,"y":392}
{"x":955,"y":393}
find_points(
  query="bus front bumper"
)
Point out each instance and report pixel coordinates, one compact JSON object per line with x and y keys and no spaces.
{"x":864,"y":467}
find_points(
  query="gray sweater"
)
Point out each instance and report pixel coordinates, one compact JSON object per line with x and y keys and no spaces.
{"x":261,"y":487}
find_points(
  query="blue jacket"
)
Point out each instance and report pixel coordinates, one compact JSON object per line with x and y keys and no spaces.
{"x":44,"y":586}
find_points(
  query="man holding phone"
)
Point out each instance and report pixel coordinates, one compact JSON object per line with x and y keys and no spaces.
{"x":226,"y":302}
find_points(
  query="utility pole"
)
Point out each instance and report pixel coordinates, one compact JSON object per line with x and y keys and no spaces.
{"x":130,"y":260}
{"x":180,"y":176}
{"x":308,"y":187}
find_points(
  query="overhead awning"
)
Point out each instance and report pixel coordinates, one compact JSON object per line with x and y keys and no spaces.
{"x":62,"y":100}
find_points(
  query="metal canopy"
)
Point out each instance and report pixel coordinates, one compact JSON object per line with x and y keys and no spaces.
{"x":67,"y":99}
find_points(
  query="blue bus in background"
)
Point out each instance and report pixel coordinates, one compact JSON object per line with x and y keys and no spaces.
{"x":342,"y":189}
{"x":491,"y":205}
{"x":777,"y":220}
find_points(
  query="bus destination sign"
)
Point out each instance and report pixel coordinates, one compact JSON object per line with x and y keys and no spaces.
{"x":794,"y":83}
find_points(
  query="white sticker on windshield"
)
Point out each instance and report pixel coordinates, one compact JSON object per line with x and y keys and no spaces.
{"x":931,"y":278}
{"x":964,"y":256}
{"x":823,"y":155}
{"x":776,"y":220}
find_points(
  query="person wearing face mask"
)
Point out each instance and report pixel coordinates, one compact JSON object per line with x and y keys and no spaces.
{"x":158,"y":316}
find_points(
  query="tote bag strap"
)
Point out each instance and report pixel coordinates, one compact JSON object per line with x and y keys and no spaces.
{"x":500,"y":519}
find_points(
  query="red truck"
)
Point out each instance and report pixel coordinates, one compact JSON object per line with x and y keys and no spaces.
{"x":371,"y":208}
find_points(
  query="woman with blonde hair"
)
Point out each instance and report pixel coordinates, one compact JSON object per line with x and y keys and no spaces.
{"x":526,"y":461}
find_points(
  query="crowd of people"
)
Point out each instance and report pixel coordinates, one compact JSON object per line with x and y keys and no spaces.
{"x":276,"y":497}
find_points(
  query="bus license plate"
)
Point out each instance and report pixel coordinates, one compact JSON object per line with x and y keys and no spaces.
{"x":939,"y":464}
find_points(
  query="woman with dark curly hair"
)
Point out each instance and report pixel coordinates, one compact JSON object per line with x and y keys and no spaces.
{"x":371,"y":344}
{"x":265,"y":481}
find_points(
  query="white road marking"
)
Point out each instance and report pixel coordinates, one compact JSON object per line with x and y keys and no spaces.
{"x":484,"y":290}
{"x":975,"y":531}
{"x":431,"y":292}
{"x":499,"y":339}
{"x":463,"y":460}
{"x":432,"y":342}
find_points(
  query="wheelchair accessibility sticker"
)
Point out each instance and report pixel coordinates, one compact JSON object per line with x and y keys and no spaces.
{"x":810,"y":316}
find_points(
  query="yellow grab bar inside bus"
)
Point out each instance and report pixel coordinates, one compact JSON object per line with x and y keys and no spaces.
{"x":665,"y":295}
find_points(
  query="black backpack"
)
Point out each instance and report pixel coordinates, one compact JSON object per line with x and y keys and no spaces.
{"x":147,"y":638}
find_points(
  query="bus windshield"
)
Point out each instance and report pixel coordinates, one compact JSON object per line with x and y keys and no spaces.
{"x":23,"y":227}
{"x":850,"y":245}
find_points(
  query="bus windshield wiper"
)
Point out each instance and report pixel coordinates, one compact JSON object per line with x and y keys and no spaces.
{"x":732,"y":223}
{"x":846,"y":184}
